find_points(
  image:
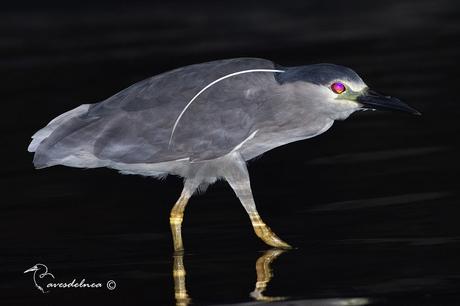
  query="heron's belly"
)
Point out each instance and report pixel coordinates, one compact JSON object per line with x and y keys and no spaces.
{"x":263,"y":141}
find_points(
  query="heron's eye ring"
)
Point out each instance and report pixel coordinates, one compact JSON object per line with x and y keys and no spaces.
{"x":338,"y":87}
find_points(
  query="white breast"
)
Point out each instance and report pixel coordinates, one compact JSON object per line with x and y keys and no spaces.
{"x":262,"y":141}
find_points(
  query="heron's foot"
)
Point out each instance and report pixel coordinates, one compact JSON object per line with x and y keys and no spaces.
{"x":266,"y":234}
{"x":258,"y":296}
{"x":269,"y":237}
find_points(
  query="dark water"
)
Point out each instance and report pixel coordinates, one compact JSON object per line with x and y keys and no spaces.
{"x":371,"y":206}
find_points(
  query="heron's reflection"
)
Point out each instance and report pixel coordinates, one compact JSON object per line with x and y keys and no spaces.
{"x":263,"y":270}
{"x":265,"y":274}
{"x":180,"y":292}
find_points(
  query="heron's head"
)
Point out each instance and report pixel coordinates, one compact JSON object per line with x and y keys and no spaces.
{"x":336,"y":90}
{"x":37,"y":267}
{"x":32,"y":269}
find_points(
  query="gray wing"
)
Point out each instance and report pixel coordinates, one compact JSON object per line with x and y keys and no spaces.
{"x":135,"y":125}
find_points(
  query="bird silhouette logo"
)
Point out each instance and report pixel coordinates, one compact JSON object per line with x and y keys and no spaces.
{"x":41,"y":271}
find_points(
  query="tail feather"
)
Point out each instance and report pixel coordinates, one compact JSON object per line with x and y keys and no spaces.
{"x":45,"y":132}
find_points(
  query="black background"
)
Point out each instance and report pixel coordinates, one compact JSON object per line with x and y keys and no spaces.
{"x":371,"y":205}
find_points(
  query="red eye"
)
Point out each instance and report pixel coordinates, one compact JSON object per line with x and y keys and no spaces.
{"x":338,"y":87}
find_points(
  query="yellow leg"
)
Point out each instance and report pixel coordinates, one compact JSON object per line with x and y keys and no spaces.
{"x":264,"y":275}
{"x":236,"y":174}
{"x":175,"y":220}
{"x":180,"y":292}
{"x":265,"y":233}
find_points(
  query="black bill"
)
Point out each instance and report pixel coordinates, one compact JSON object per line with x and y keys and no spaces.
{"x":373,"y":100}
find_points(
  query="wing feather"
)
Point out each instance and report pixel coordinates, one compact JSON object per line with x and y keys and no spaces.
{"x":134,"y":126}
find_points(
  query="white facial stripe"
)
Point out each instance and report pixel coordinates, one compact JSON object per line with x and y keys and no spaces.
{"x":355,"y":86}
{"x":347,"y":102}
{"x":209,"y":85}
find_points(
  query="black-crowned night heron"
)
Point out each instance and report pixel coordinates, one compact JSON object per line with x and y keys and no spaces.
{"x":203,"y":122}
